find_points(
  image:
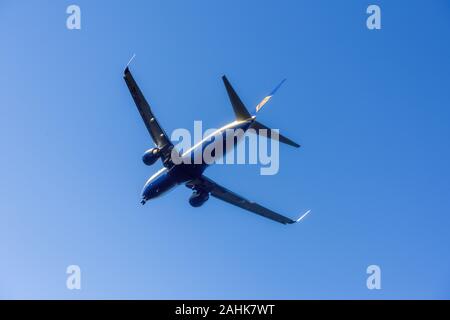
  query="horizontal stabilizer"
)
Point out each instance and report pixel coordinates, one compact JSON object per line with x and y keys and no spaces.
{"x":258,"y":126}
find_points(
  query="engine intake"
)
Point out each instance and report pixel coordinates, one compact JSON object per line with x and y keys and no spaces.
{"x":150,"y":156}
{"x":198,"y":198}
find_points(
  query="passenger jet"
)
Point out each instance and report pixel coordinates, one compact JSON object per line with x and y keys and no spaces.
{"x":191,"y":174}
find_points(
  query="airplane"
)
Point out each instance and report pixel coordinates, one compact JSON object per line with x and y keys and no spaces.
{"x":191,"y":174}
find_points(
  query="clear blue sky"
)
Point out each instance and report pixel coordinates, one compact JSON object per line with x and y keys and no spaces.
{"x":371,"y":109}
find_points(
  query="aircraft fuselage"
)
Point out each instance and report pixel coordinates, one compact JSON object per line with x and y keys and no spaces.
{"x":189,"y":169}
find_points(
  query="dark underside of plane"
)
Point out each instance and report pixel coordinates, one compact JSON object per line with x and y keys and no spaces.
{"x":191,"y":175}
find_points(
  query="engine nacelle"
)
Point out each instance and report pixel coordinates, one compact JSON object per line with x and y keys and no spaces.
{"x":150,"y":156}
{"x":198,"y":198}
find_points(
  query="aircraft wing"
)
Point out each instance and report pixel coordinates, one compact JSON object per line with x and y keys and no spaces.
{"x":157,"y":133}
{"x":219,"y":192}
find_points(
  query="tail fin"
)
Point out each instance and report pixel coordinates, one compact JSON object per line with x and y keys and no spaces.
{"x":239,"y":108}
{"x":258,"y":126}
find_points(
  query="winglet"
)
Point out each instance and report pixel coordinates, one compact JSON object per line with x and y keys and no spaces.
{"x":268,"y":97}
{"x":303,"y":216}
{"x":129,"y":61}
{"x":127,"y":68}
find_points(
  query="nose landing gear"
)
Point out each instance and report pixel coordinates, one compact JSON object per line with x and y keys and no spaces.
{"x":143,"y":201}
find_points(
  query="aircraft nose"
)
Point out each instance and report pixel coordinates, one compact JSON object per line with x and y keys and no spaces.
{"x":152,"y":187}
{"x":146,"y":192}
{"x":149,"y":191}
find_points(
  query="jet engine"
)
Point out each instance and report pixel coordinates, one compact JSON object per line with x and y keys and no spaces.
{"x":198,"y":198}
{"x":150,"y":156}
